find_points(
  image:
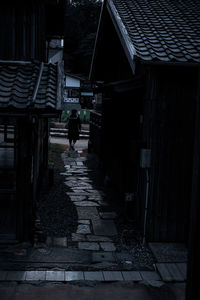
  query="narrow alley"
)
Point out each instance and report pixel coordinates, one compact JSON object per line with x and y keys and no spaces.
{"x":99,"y":244}
{"x":99,"y":149}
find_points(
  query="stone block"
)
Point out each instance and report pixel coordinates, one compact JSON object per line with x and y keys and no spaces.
{"x":132,"y":275}
{"x":78,"y":237}
{"x":88,"y":246}
{"x":55,"y":275}
{"x":83,"y":229}
{"x":35,"y":275}
{"x":104,"y":227}
{"x":85,"y":213}
{"x":16,"y":275}
{"x":112,"y":275}
{"x":73,"y":275}
{"x":86,"y":203}
{"x":98,"y":238}
{"x":94,"y":276}
{"x":108,"y":246}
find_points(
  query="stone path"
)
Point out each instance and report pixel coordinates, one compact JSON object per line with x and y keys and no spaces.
{"x":95,"y":229}
{"x":91,"y":253}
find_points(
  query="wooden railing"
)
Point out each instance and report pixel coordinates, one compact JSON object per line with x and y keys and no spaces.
{"x":95,"y":119}
{"x":95,"y":132}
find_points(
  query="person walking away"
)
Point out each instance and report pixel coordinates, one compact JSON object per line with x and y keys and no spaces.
{"x":74,"y":127}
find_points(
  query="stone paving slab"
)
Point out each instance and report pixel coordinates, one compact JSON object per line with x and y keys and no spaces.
{"x":96,"y":275}
{"x":149,"y":275}
{"x":74,"y":275}
{"x":83,"y":229}
{"x":16,"y":276}
{"x":131,"y":275}
{"x":104,"y":227}
{"x":86,"y":203}
{"x":98,"y":238}
{"x":36,"y":275}
{"x":61,"y":276}
{"x":112,"y":275}
{"x":78,"y":237}
{"x":85,"y":222}
{"x":108,"y":246}
{"x":78,"y":198}
{"x":88,"y":246}
{"x":85,"y":213}
{"x":55,"y":275}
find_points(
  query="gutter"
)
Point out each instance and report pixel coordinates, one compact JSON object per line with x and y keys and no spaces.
{"x":168,"y":63}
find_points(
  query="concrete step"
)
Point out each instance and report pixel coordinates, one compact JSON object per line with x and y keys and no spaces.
{"x":55,"y":275}
{"x":53,"y":129}
{"x":62,"y":133}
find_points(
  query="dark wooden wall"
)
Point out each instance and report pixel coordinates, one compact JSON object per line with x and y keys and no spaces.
{"x":121,"y":142}
{"x":24,"y":172}
{"x":161,"y":118}
{"x":22,"y":30}
{"x":31,"y":163}
{"x":169,"y":132}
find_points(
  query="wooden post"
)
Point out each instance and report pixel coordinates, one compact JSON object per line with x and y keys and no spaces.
{"x":194,"y":233}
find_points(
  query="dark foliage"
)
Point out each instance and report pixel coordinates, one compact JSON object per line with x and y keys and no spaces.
{"x":81,"y":22}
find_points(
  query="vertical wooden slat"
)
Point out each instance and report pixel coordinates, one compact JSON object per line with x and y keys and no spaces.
{"x":169,"y":136}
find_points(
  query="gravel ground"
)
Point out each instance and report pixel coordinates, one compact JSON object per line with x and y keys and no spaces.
{"x":58,"y":215}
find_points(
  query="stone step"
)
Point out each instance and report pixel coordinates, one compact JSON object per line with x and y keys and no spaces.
{"x":55,"y":129}
{"x":63,"y":276}
{"x":62,"y":132}
{"x":64,"y":135}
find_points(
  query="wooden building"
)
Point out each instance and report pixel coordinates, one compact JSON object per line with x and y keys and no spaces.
{"x":147,"y":56}
{"x":30,"y":93}
{"x":72,"y":91}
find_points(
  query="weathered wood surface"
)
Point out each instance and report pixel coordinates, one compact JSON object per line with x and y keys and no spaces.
{"x":172,"y":271}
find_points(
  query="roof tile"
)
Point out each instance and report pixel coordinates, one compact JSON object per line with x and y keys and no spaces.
{"x":162,"y":29}
{"x":18,"y":81}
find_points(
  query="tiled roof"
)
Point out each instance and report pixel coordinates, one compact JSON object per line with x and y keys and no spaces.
{"x":28,"y":85}
{"x":163,"y":30}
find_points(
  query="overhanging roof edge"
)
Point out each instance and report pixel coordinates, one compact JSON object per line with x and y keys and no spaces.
{"x":122,"y":33}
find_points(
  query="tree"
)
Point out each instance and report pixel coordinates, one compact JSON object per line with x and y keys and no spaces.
{"x":81,"y":22}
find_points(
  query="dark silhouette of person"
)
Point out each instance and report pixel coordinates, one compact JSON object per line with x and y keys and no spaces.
{"x":74,"y":127}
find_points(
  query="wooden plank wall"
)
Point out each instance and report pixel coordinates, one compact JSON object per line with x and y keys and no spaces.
{"x":22,"y":28}
{"x":121,"y":142}
{"x":24,"y":179}
{"x":169,"y":132}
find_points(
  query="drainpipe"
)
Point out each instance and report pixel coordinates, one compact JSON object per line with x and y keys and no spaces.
{"x":146,"y":205}
{"x":145,"y":163}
